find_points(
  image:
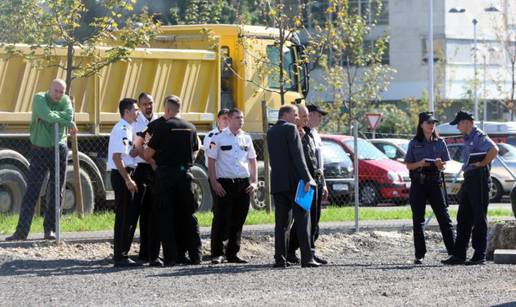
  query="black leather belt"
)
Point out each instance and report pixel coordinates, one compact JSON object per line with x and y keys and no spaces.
{"x":233,"y":180}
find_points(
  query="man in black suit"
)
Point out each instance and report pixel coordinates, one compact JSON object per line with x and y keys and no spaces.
{"x":288,"y":167}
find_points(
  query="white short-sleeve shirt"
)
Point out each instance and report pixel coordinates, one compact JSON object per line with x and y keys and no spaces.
{"x":139,"y":125}
{"x":318,"y":148}
{"x":206,"y":143}
{"x":121,"y":141}
{"x":232,"y":154}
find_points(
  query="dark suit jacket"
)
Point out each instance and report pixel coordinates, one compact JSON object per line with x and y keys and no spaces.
{"x":287,"y":160}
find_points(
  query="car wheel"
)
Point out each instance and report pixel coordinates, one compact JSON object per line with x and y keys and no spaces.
{"x":12,"y":189}
{"x":369,"y":195}
{"x":513,"y":200}
{"x":495,"y":191}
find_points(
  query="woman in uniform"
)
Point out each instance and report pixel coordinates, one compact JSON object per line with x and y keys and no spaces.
{"x":426,"y":158}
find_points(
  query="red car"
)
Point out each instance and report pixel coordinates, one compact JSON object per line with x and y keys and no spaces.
{"x":381,"y":179}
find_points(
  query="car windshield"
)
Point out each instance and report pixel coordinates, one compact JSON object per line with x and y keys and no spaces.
{"x":366,"y":150}
{"x":334,"y":154}
{"x":507,"y":151}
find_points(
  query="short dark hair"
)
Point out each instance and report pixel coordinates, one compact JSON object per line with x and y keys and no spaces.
{"x":233,"y":111}
{"x":288,"y":108}
{"x":143,"y":95}
{"x":126,"y":104}
{"x":173,"y":100}
{"x":223,"y":111}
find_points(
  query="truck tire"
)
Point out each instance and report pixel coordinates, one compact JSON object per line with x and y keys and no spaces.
{"x":258,"y":198}
{"x":88,"y":195}
{"x":12,"y":189}
{"x":201,"y":189}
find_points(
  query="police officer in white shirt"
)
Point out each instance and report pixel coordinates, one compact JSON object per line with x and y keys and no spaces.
{"x":144,"y":173}
{"x":121,"y":162}
{"x":222,"y":123}
{"x":232,"y":173}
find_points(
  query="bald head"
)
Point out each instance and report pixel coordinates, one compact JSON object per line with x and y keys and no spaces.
{"x":303,"y":116}
{"x":57,"y":89}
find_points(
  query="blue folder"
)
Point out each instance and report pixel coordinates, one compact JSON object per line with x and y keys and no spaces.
{"x":304,"y":199}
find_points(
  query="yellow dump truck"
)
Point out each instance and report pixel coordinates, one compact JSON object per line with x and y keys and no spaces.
{"x":208,"y":66}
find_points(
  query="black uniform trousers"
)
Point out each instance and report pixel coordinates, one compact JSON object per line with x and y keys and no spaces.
{"x":144,"y":177}
{"x":472,"y":214}
{"x":315,"y":216}
{"x":229,"y":214}
{"x":419,"y":194}
{"x":284,"y":209}
{"x":172,"y":222}
{"x":124,"y":210}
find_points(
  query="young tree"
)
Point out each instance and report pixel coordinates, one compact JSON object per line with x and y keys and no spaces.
{"x":352,"y":67}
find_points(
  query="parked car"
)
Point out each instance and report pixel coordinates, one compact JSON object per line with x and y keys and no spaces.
{"x":380,"y":178}
{"x":338,"y":172}
{"x":507,"y":151}
{"x":501,"y":179}
{"x":396,"y":149}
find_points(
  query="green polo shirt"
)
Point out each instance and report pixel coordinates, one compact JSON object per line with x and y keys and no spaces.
{"x":46,"y":112}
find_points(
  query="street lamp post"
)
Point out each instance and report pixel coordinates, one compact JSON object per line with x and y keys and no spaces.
{"x":484,"y":85}
{"x":431,"y":57}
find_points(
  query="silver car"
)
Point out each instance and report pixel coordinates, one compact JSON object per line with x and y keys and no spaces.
{"x":502,"y":171}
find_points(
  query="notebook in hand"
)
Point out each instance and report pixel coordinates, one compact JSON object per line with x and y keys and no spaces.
{"x":476,"y":157}
{"x":432,"y":167}
{"x":304,"y":199}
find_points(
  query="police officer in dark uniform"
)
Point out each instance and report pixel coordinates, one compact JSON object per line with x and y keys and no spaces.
{"x":426,"y":157}
{"x":310,"y":153}
{"x":173,"y":146}
{"x":478,"y":153}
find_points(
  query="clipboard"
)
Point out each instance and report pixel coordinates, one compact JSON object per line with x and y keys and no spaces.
{"x":304,"y":199}
{"x":476,"y":157}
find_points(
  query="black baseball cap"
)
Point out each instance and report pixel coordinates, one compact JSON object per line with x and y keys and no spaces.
{"x":461,"y":115}
{"x":427,"y":117}
{"x":223,"y":111}
{"x":315,"y":108}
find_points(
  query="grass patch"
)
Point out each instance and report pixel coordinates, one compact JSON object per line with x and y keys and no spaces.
{"x":104,"y":221}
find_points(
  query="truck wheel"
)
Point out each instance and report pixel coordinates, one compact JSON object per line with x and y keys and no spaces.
{"x":12,"y":189}
{"x":201,"y":189}
{"x":88,"y":196}
{"x":258,"y":198}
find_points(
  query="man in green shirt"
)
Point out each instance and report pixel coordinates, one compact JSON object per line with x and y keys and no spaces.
{"x":48,"y":108}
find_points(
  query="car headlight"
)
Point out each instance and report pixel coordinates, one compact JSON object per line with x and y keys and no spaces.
{"x":393,"y":176}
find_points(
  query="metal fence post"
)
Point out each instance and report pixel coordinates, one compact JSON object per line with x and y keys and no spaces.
{"x":266,"y":171}
{"x":57,"y":176}
{"x":355,"y":166}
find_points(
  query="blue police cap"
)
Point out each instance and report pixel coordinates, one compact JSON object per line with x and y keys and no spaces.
{"x":461,"y":115}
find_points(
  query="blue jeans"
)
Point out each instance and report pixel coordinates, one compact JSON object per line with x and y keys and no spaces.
{"x":42,"y":163}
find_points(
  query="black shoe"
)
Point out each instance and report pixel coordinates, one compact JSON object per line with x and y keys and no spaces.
{"x":217,"y":260}
{"x":126,"y":263}
{"x":453,"y":260}
{"x":310,"y":264}
{"x":320,"y":260}
{"x":418,"y":261}
{"x":476,"y":261}
{"x":235,"y":259}
{"x":183,"y":260}
{"x":169,"y":263}
{"x":156,"y":263}
{"x":49,"y":235}
{"x":292,"y":258}
{"x":195,"y":261}
{"x":16,"y":237}
{"x":280,"y":264}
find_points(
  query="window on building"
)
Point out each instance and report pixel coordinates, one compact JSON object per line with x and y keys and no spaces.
{"x":369,"y":47}
{"x":373,"y":9}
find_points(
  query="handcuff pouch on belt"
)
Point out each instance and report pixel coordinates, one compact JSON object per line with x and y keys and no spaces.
{"x":425,"y":174}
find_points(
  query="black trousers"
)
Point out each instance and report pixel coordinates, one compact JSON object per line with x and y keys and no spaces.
{"x":472,"y":214}
{"x":42,"y":163}
{"x":124,"y":210}
{"x":284,"y":210}
{"x":229,"y":214}
{"x":430,"y":191}
{"x":172,"y":221}
{"x":315,"y":216}
{"x":144,"y":177}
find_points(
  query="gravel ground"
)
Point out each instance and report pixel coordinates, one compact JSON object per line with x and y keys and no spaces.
{"x":368,"y":268}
